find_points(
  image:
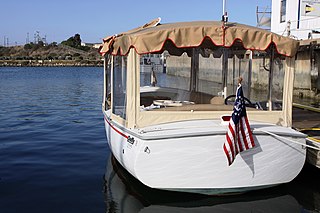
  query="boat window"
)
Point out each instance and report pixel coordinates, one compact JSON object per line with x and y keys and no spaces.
{"x":258,"y":72}
{"x":210,"y":75}
{"x":119,"y":77}
{"x":108,"y":81}
{"x":195,"y":81}
{"x":283,"y":10}
{"x":267,"y":72}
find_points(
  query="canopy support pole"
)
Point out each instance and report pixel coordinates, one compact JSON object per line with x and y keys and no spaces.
{"x":234,"y":73}
{"x":194,"y":69}
{"x":224,"y":72}
{"x":105,"y":66}
{"x":249,"y":75}
{"x":270,"y":79}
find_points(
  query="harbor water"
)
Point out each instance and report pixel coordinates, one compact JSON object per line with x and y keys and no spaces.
{"x":54,"y":156}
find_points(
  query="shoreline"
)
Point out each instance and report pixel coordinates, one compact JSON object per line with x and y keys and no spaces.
{"x":298,"y":92}
{"x":62,"y":65}
{"x":43,"y":63}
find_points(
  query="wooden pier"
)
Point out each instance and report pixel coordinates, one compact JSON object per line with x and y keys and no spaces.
{"x":307,"y":120}
{"x":304,"y":117}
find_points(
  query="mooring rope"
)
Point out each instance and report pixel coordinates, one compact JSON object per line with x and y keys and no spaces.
{"x":284,"y":138}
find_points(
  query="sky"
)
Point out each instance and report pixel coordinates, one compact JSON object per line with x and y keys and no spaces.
{"x":58,"y":20}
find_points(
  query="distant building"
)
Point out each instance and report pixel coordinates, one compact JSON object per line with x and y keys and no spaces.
{"x":94,"y":45}
{"x":299,"y":19}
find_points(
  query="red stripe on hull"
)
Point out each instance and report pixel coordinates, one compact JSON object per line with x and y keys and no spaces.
{"x":122,"y":134}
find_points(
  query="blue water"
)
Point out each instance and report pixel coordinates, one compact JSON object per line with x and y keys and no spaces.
{"x":54,"y":155}
{"x":53,"y":148}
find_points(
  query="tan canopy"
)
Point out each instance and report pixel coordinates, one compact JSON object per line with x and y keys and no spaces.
{"x":154,"y":37}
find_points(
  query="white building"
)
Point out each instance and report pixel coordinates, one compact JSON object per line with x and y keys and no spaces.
{"x":299,"y":19}
{"x":94,"y":45}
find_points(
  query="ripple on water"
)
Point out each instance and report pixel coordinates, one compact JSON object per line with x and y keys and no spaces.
{"x":52,"y":141}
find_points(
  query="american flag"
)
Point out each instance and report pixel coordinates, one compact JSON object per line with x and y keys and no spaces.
{"x":239,"y":135}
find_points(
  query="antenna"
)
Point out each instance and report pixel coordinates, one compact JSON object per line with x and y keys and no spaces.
{"x":44,"y":39}
{"x":224,"y":12}
{"x":37,"y":38}
{"x":223,"y":6}
{"x":5,"y":41}
{"x":264,"y":17}
{"x":27,"y":39}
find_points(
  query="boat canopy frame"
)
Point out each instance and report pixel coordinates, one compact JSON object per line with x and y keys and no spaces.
{"x":172,"y":37}
{"x":178,"y":37}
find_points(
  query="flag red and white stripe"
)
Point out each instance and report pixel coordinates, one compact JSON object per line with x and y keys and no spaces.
{"x":239,"y":136}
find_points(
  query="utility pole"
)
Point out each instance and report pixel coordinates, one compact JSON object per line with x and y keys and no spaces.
{"x":27,"y":39}
{"x":38,"y":37}
{"x":44,"y":39}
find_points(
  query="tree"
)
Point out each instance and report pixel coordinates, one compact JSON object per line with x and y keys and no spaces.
{"x":40,"y":43}
{"x":28,"y":46}
{"x":53,"y":44}
{"x":73,"y":41}
{"x":77,"y":40}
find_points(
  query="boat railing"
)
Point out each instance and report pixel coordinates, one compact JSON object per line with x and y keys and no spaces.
{"x":197,"y":107}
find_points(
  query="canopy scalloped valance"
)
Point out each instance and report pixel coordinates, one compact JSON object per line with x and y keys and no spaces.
{"x":154,"y":37}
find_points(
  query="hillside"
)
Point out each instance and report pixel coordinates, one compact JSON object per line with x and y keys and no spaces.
{"x":49,"y":55}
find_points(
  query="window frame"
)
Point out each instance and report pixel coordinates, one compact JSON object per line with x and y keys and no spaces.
{"x":283,"y":10}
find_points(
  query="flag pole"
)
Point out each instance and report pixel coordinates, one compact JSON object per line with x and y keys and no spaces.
{"x":225,"y":54}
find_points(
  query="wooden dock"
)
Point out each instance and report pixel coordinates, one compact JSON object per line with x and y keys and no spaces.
{"x":305,"y":117}
{"x":307,"y":120}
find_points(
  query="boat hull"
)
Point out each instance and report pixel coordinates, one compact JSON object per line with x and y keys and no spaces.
{"x":124,"y":191}
{"x":196,"y":162}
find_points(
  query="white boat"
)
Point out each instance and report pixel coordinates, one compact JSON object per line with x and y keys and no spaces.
{"x":169,"y":134}
{"x":125,"y":194}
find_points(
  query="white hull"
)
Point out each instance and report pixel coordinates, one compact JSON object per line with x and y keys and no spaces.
{"x":188,"y":156}
{"x":128,"y":196}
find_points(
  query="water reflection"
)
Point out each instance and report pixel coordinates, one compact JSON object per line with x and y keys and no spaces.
{"x":123,"y":193}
